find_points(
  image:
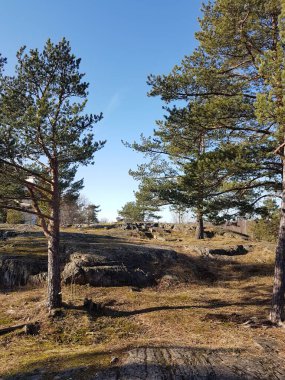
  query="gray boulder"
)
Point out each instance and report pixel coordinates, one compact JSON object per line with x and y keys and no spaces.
{"x":15,"y":270}
{"x":4,"y":235}
{"x":226,"y":251}
{"x":94,"y":270}
{"x":117,"y":266}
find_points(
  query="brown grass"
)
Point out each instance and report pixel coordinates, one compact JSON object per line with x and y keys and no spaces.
{"x":196,"y":312}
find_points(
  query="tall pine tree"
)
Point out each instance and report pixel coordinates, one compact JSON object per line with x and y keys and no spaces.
{"x":44,"y":136}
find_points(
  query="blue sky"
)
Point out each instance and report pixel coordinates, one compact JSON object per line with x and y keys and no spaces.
{"x":120,"y":42}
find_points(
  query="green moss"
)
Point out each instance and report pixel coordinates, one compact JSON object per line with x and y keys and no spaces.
{"x":5,"y":320}
{"x":59,"y":361}
{"x":106,"y":330}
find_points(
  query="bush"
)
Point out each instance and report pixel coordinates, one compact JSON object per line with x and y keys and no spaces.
{"x":266,"y":229}
{"x":15,"y":217}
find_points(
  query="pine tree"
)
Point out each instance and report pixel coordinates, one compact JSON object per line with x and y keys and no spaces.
{"x":237,"y":74}
{"x":147,"y":202}
{"x":131,"y":213}
{"x":44,"y":136}
{"x":248,"y":38}
{"x":200,"y":157}
{"x":91,"y":213}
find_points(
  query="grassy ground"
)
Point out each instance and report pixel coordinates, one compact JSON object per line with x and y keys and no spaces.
{"x":206,"y":309}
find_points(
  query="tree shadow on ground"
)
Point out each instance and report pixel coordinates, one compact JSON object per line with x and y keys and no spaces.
{"x":115,"y":313}
{"x":109,"y":310}
{"x":147,"y":362}
{"x":226,"y":269}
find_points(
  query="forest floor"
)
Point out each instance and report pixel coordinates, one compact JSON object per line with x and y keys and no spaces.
{"x":209,"y":322}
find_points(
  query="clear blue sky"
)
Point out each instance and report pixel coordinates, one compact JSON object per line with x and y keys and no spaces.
{"x":120,"y":42}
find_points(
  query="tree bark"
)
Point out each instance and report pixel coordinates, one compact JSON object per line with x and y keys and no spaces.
{"x":54,"y":281}
{"x":200,"y":226}
{"x":277,"y":307}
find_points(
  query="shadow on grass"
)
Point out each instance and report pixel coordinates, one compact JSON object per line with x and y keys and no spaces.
{"x":109,"y":309}
{"x":148,"y":363}
{"x":210,"y":305}
{"x":223,"y":269}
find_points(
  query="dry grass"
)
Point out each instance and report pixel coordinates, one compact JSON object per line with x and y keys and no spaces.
{"x":196,"y":313}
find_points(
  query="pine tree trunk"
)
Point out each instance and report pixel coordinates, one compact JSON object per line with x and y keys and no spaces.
{"x":200,"y":226}
{"x":54,"y":286}
{"x":277,"y":308}
{"x":54,"y":281}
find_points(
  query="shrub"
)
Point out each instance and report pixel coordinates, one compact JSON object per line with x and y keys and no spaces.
{"x":266,"y":229}
{"x":15,"y":217}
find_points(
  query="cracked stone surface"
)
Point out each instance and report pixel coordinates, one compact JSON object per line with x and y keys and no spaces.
{"x":166,"y":363}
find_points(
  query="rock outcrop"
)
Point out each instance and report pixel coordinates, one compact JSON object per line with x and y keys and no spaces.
{"x":226,"y":251}
{"x":4,"y":235}
{"x":16,"y":270}
{"x":149,"y":230}
{"x":170,"y":363}
{"x":117,"y":266}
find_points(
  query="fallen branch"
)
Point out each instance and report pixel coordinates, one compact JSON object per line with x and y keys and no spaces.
{"x":28,"y":328}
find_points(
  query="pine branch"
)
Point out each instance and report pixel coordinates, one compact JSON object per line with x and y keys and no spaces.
{"x":38,"y":211}
{"x":29,"y":171}
{"x":22,"y":209}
